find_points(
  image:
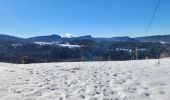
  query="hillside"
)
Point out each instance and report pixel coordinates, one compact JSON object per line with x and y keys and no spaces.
{"x":121,"y":80}
{"x":57,"y":38}
{"x":10,"y":38}
{"x":157,"y":38}
{"x":48,"y":38}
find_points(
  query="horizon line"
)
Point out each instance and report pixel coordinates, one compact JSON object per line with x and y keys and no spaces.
{"x":85,"y":35}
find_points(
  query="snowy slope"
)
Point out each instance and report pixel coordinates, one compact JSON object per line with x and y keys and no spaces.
{"x":122,"y":80}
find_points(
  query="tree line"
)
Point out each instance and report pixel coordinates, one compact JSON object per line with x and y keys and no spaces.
{"x":90,"y":51}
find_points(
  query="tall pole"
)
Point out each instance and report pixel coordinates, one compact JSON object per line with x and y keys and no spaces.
{"x":158,"y":56}
{"x":136,"y":52}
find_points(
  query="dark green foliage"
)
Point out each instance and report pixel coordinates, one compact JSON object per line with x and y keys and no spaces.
{"x":90,"y":51}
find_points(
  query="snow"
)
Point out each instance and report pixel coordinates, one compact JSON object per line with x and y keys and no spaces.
{"x":110,"y":80}
{"x":46,"y":43}
{"x":69,"y":35}
{"x":69,"y":45}
{"x":56,"y":43}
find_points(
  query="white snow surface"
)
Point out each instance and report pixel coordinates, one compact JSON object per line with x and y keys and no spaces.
{"x":110,"y":80}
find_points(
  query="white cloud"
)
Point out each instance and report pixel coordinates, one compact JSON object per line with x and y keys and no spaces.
{"x":69,"y":35}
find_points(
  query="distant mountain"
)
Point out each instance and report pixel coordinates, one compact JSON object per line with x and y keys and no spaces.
{"x":47,"y":38}
{"x":96,"y":39}
{"x":85,"y":37}
{"x":124,"y":39}
{"x":10,"y":38}
{"x":53,"y":37}
{"x":116,"y":39}
{"x":157,"y":38}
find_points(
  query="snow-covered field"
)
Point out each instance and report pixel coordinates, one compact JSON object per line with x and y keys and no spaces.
{"x":121,"y":80}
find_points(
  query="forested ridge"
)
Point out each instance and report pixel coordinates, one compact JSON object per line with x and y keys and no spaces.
{"x":29,"y":52}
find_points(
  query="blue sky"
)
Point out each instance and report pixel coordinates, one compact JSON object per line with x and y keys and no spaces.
{"x":99,"y":18}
